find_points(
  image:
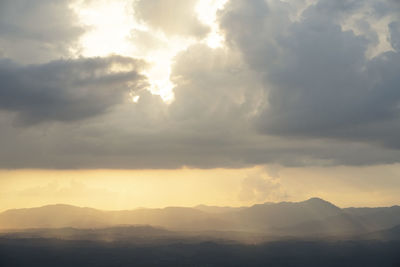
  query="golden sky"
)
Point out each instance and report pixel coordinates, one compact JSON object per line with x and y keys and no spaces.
{"x":119,"y":104}
{"x":128,"y":189}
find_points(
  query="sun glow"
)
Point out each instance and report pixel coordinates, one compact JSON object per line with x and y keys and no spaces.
{"x":109,"y":24}
{"x":207,"y":13}
{"x":112,"y":29}
{"x":120,"y":189}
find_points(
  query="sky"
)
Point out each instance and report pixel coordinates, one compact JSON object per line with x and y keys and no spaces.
{"x":120,"y":104}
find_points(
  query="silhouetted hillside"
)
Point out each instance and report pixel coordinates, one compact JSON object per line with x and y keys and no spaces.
{"x":387,"y":234}
{"x":58,"y":216}
{"x":216,"y":209}
{"x":313,"y":217}
{"x":50,"y":253}
{"x":377,"y":218}
{"x":54,"y":216}
{"x":132,"y":234}
{"x":340,"y":225}
{"x":176,"y":218}
{"x":268,"y":217}
{"x":309,"y":233}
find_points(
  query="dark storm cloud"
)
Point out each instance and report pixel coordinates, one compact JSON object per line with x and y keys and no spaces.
{"x":317,"y":76}
{"x":66,"y":90}
{"x":38,"y":81}
{"x":394,"y":29}
{"x":208,"y":125}
{"x":37,"y":31}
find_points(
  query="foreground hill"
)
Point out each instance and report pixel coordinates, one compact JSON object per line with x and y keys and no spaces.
{"x":59,"y":216}
{"x":387,"y":234}
{"x":132,"y":234}
{"x":271,"y":216}
{"x":378,"y":218}
{"x":50,"y":253}
{"x":53,"y":216}
{"x":313,"y":217}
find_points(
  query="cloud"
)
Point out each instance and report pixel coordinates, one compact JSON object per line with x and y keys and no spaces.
{"x":39,"y":31}
{"x":209,"y":125}
{"x":394,"y":28}
{"x":67,"y":90}
{"x":173,"y":17}
{"x":293,"y":86}
{"x":318,"y":79}
{"x":214,"y":90}
{"x":259,"y":187}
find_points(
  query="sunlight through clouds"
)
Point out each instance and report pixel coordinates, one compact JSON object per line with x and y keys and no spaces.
{"x":109,"y":24}
{"x":113,"y":29}
{"x":206,"y":12}
{"x":174,"y":84}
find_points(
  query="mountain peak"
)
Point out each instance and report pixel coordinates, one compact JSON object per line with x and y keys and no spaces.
{"x":316,"y":200}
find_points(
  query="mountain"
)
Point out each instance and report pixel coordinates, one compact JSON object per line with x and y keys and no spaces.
{"x":269,"y":216}
{"x":175,"y":218}
{"x":387,"y":234}
{"x":59,"y":216}
{"x":216,"y":209}
{"x":313,"y":217}
{"x":53,"y":216}
{"x":118,"y":233}
{"x":338,"y":225}
{"x":377,"y":218}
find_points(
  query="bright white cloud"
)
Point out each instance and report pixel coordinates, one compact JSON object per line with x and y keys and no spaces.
{"x":113,"y":29}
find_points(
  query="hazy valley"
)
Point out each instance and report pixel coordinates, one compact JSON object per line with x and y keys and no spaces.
{"x":308,"y":233}
{"x":313,"y":218}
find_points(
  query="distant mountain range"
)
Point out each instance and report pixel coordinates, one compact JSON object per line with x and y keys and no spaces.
{"x":311,"y":218}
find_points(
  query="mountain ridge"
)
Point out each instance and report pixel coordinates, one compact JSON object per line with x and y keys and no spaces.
{"x":310,"y":217}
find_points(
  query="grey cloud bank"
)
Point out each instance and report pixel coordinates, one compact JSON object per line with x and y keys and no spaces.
{"x":38,"y":31}
{"x":65,"y":90}
{"x":317,"y":77}
{"x":287,"y":91}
